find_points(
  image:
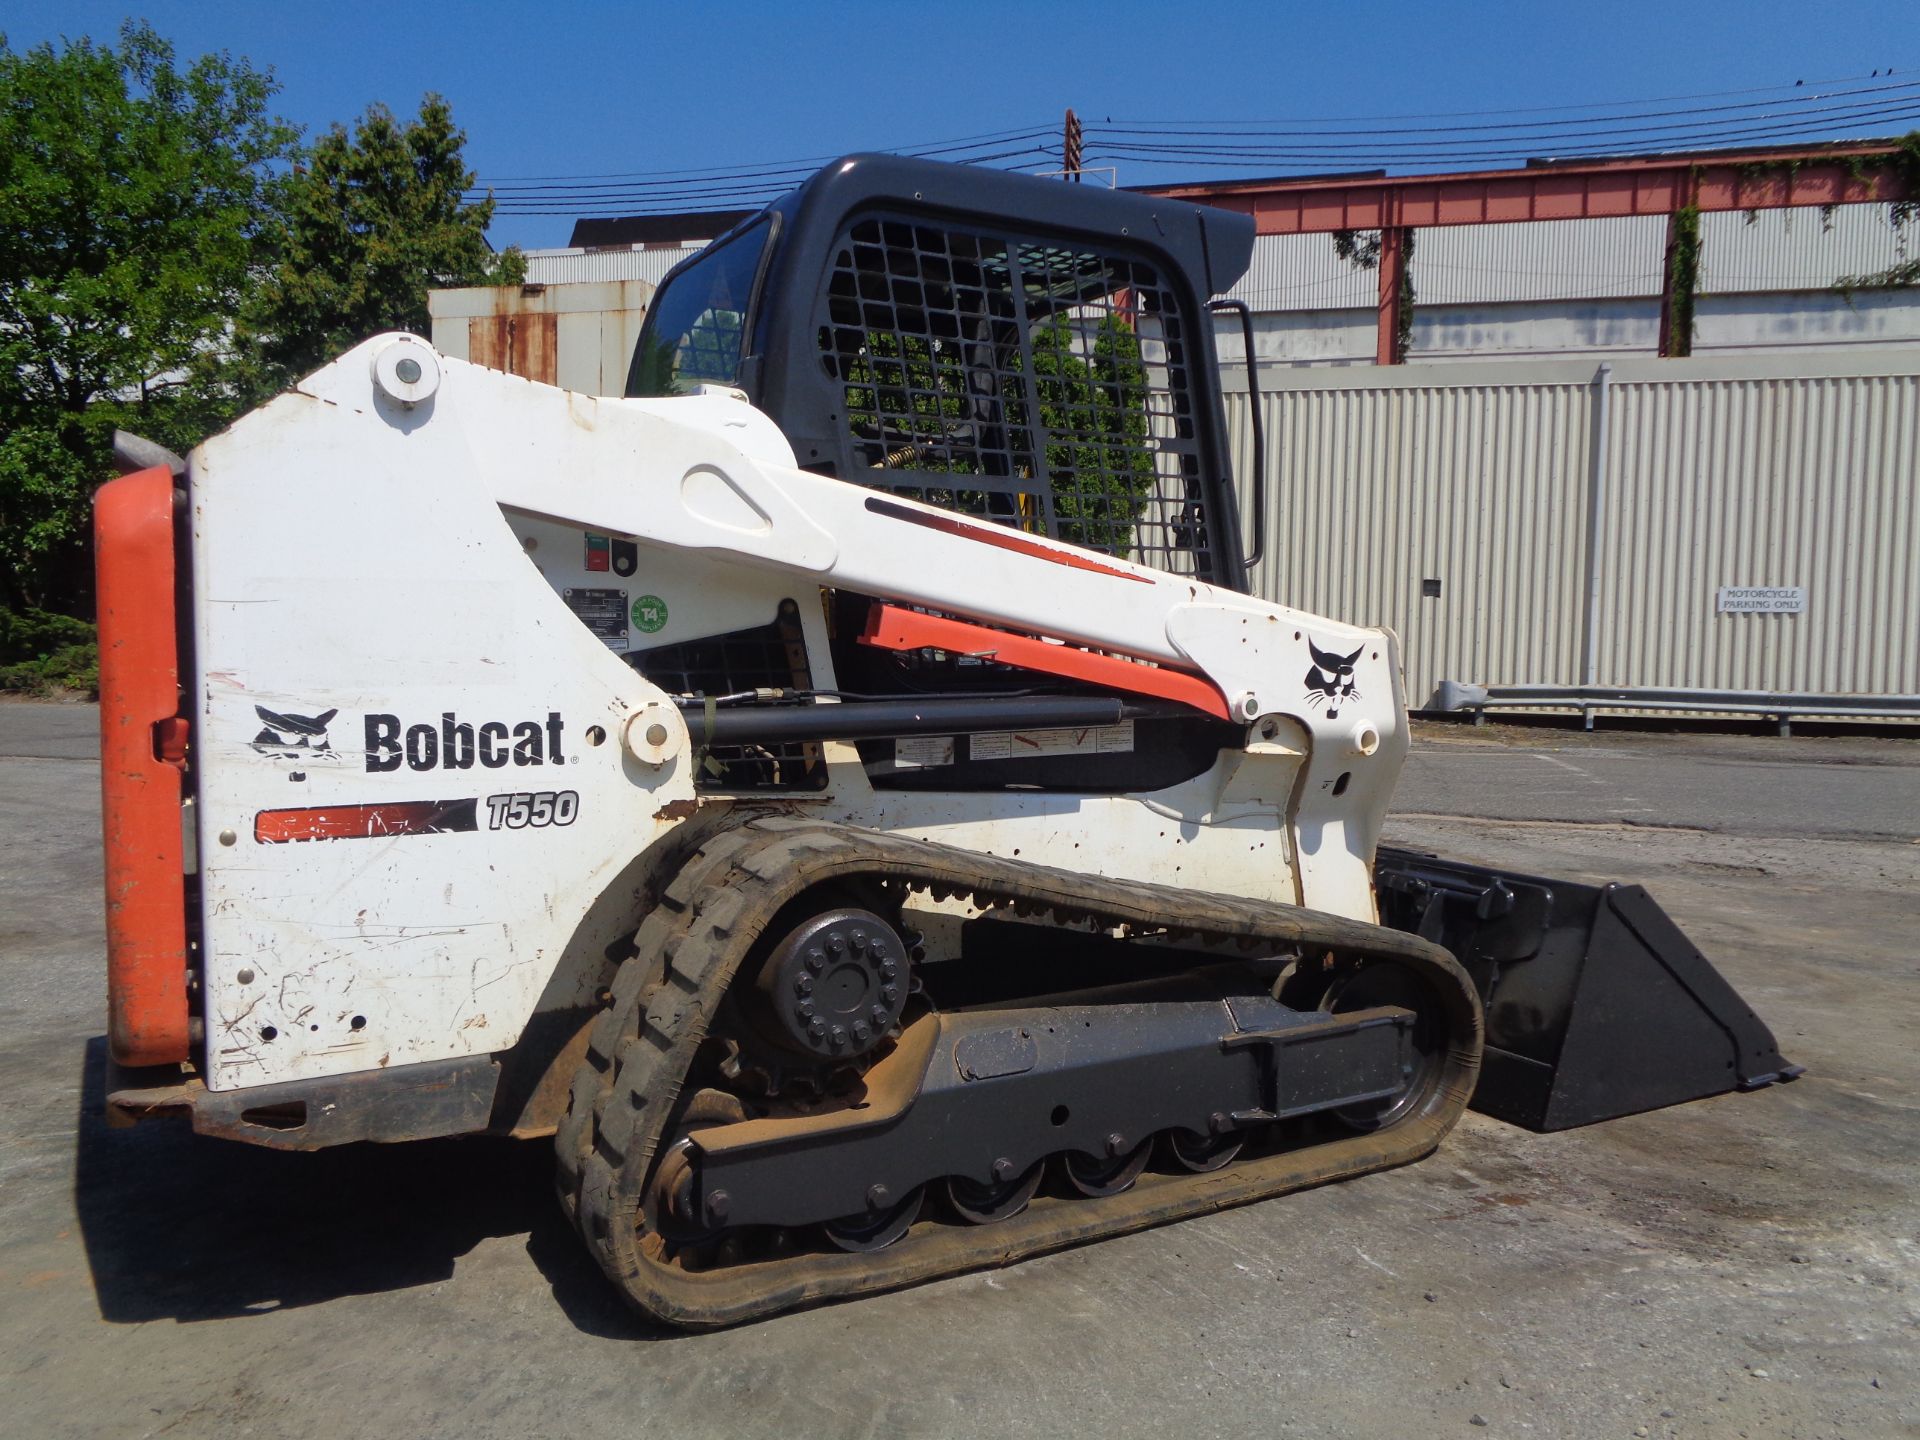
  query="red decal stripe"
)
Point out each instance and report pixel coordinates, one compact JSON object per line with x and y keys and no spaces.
{"x":891,"y":628}
{"x":998,"y":536}
{"x":366,"y":822}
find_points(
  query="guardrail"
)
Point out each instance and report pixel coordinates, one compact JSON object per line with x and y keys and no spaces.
{"x":1456,"y":695}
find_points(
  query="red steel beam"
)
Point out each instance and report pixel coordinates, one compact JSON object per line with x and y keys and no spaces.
{"x":1393,"y":269}
{"x":1720,"y":180}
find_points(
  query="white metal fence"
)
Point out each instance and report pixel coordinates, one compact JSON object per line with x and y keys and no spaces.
{"x":1580,"y":523}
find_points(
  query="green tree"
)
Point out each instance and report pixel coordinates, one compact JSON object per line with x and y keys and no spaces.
{"x":134,"y":196}
{"x":374,"y":219}
{"x":1095,"y":413}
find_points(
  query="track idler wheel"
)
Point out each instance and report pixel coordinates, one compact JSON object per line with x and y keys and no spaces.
{"x":671,"y":1210}
{"x":1384,"y":982}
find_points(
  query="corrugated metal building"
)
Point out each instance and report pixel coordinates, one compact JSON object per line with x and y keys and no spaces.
{"x":574,"y":265}
{"x":1555,"y":289}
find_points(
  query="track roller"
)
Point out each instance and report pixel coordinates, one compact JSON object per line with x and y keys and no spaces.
{"x":879,"y":1228}
{"x":1202,"y":1154}
{"x":1095,"y":1176}
{"x":979,"y":1204}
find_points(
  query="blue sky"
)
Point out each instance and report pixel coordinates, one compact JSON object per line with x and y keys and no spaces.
{"x":581,"y":89}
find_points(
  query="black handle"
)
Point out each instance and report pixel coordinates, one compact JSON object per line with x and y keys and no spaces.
{"x":1257,"y":482}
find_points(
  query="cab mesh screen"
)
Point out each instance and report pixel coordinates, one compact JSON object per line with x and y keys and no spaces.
{"x":1040,"y":384}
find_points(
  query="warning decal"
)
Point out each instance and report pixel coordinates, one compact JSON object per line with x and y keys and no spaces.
{"x":912,"y":752}
{"x":1024,"y":744}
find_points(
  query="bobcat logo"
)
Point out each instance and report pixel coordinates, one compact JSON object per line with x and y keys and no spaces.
{"x":1330,"y":679}
{"x":294,"y":737}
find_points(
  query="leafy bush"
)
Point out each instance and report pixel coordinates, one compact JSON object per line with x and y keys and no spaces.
{"x":1095,"y":411}
{"x":34,"y":634}
{"x":170,"y":256}
{"x":41,"y":652}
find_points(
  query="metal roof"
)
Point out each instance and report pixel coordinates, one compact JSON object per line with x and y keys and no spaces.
{"x":655,"y":229}
{"x":572,"y":265}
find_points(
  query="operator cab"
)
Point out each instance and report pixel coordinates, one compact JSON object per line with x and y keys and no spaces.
{"x":1020,"y":351}
{"x":1016,"y":349}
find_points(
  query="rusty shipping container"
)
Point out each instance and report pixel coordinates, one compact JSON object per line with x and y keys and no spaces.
{"x":578,"y":336}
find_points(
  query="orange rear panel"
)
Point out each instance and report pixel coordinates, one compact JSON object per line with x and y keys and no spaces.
{"x":140,"y":790}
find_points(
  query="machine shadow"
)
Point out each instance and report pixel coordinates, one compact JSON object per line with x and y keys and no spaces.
{"x":180,"y":1227}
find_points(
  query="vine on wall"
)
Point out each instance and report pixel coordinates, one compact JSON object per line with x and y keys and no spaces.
{"x":1683,"y":279}
{"x":1904,"y":165}
{"x":1361,"y":249}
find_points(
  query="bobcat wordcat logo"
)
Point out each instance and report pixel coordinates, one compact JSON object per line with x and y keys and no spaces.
{"x":293,"y":737}
{"x":454,"y":744}
{"x":1330,"y":679}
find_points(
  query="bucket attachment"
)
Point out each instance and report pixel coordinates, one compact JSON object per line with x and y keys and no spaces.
{"x":1597,"y":1005}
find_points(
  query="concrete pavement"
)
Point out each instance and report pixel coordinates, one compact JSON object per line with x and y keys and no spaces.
{"x":1730,"y":784}
{"x":1744,"y":1266}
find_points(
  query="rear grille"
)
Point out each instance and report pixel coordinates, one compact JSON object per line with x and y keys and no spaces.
{"x":772,"y":656}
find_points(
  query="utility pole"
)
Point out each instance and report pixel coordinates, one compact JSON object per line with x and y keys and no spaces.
{"x":1070,"y":148}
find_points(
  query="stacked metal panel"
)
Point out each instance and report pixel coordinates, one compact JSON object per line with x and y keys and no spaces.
{"x":1799,"y":249}
{"x":1793,"y":471}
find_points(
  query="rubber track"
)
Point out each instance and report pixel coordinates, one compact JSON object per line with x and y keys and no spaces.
{"x":688,"y":949}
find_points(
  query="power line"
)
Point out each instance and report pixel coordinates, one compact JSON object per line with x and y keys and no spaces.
{"x":577,"y":185}
{"x":1411,"y":153}
{"x":708,"y":189}
{"x":771,"y":168}
{"x":1790,"y":113}
{"x":1903,"y":90}
{"x":1517,"y":110}
{"x":1825,"y":117}
{"x":668,"y":202}
{"x":740,"y":187}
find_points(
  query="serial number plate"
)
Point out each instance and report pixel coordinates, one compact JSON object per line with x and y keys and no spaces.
{"x":604,"y":612}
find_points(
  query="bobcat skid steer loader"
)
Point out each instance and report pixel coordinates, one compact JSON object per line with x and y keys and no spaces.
{"x":843,"y":792}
